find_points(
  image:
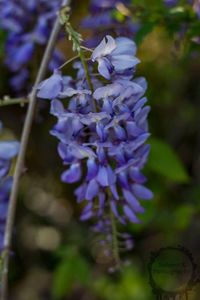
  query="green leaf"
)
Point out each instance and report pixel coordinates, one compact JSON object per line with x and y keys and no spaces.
{"x":72,"y":269}
{"x":165,"y":161}
{"x":63,"y":279}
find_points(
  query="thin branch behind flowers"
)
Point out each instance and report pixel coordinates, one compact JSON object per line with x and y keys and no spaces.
{"x":21,"y":157}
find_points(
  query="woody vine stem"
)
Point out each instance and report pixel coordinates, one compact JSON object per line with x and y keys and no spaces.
{"x":22,"y":153}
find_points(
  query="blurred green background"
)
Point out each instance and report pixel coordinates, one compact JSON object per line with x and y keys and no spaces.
{"x":57,"y":257}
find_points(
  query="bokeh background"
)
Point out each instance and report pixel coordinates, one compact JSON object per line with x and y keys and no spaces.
{"x":54,"y":255}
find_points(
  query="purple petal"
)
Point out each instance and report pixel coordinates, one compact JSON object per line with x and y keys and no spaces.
{"x":136,"y":175}
{"x":57,"y":108}
{"x":104,"y":67}
{"x":123,"y":62}
{"x":102,"y":176}
{"x":4,"y":167}
{"x":92,"y":190}
{"x":124,"y":46}
{"x":87,"y":212}
{"x":80,"y":192}
{"x":9,"y":149}
{"x":106,"y":46}
{"x":63,"y":151}
{"x":92,"y":169}
{"x":133,"y":130}
{"x":130,"y":214}
{"x":120,"y":132}
{"x":113,"y":89}
{"x":114,"y":192}
{"x":123,"y":180}
{"x":51,"y":87}
{"x":132,"y":201}
{"x":73,"y":174}
{"x":106,"y":176}
{"x":86,"y":215}
{"x":142,"y":192}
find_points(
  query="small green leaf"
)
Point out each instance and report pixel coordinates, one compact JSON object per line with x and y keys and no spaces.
{"x":165,"y":161}
{"x":72,"y":269}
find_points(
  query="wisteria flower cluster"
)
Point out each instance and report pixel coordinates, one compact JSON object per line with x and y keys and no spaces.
{"x":105,"y":131}
{"x":101,"y":19}
{"x":28,"y":25}
{"x":8,"y":150}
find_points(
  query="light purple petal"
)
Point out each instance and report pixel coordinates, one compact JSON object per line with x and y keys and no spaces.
{"x":130,"y":214}
{"x":123,"y":62}
{"x":9,"y":149}
{"x":57,"y":108}
{"x":92,"y":169}
{"x":124,"y":46}
{"x":51,"y":87}
{"x":104,"y":67}
{"x":113,"y":89}
{"x":106,"y":46}
{"x":80,"y":192}
{"x":92,"y":190}
{"x":142,"y":192}
{"x":136,"y":175}
{"x":132,"y":201}
{"x":73,"y":174}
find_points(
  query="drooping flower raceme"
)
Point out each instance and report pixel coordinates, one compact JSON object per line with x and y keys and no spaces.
{"x":105,"y":131}
{"x":28,"y":25}
{"x":102,"y":20}
{"x":8,"y":150}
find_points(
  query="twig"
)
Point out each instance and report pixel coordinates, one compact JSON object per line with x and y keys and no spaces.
{"x":21,"y":156}
{"x":6,"y":101}
{"x":68,"y":61}
{"x":115,"y":245}
{"x":75,"y":57}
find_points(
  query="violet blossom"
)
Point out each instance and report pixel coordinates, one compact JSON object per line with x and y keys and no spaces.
{"x":109,"y":141}
{"x":28,"y":25}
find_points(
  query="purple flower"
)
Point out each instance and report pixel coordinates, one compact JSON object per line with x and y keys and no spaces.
{"x":51,"y":87}
{"x":103,"y":146}
{"x":115,"y":56}
{"x":111,"y":141}
{"x":28,"y":25}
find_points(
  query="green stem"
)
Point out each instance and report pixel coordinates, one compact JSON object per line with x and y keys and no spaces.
{"x":69,"y":61}
{"x":76,"y":39}
{"x":115,"y":240}
{"x":9,"y":101}
{"x":87,"y":74}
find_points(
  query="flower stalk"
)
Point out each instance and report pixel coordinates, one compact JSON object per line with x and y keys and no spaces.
{"x":115,"y":246}
{"x":76,"y":39}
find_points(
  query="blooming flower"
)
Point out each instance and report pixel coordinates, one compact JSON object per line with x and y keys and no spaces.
{"x":28,"y":25}
{"x":110,"y":141}
{"x":115,"y":55}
